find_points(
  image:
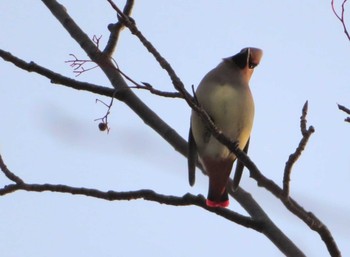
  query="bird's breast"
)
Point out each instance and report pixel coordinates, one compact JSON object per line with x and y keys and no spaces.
{"x":232,"y":110}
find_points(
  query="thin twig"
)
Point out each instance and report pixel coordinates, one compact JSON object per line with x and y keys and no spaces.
{"x":103,"y":125}
{"x":57,"y":78}
{"x":8,"y":173}
{"x":147,"y":86}
{"x":161,"y":60}
{"x":306,"y":133}
{"x":346,"y":110}
{"x":155,"y":91}
{"x":78,"y":65}
{"x":341,"y":16}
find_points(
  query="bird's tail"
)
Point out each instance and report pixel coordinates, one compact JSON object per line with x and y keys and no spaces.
{"x":218,"y":173}
{"x":215,"y":202}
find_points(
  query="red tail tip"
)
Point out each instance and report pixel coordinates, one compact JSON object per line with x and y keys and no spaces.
{"x":213,"y":204}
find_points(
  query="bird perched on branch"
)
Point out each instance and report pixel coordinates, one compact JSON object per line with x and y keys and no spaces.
{"x":225,"y":95}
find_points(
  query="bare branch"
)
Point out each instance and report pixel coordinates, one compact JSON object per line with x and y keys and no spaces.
{"x":160,"y":59}
{"x":57,"y":78}
{"x":148,"y":86}
{"x":341,"y":16}
{"x":308,"y":217}
{"x":103,"y":125}
{"x":187,"y":199}
{"x":306,"y":133}
{"x":116,"y":28}
{"x":270,"y":230}
{"x":346,"y":110}
{"x":149,"y":195}
{"x":78,"y":65}
{"x":8,"y":173}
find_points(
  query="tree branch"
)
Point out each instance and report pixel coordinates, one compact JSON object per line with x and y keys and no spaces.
{"x":270,"y":230}
{"x":308,"y":217}
{"x":346,"y":110}
{"x":130,"y":24}
{"x":9,"y":174}
{"x":187,"y":199}
{"x":56,"y":78}
{"x":306,"y":133}
{"x":116,"y":28}
{"x":341,"y":16}
{"x":149,"y":195}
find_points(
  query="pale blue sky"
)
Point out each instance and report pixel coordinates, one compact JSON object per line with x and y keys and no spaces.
{"x":48,"y":133}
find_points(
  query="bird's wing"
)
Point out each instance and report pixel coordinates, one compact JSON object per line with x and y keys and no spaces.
{"x":192,"y":158}
{"x":239,"y":169}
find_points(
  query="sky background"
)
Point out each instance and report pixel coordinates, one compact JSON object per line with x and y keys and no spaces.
{"x":48,"y":132}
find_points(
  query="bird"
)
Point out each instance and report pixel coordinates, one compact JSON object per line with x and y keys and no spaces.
{"x":225,"y":95}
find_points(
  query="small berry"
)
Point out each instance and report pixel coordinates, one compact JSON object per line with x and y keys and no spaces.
{"x":102,"y":126}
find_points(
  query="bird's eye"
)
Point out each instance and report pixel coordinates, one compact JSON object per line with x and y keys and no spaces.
{"x":252,"y":65}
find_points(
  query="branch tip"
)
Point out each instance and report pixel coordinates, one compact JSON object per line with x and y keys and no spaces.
{"x":306,"y":133}
{"x":346,"y":110}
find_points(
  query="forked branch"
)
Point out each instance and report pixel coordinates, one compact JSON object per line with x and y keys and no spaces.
{"x":116,"y":28}
{"x":341,"y":16}
{"x":306,"y":133}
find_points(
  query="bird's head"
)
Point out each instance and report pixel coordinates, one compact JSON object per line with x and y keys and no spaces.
{"x":246,"y":60}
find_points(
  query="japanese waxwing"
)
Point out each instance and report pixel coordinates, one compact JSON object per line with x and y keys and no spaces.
{"x":225,"y":95}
